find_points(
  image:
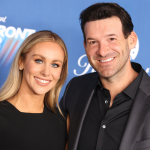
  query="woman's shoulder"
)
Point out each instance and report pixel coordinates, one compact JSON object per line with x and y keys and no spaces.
{"x":57,"y":115}
{"x":6,"y":111}
{"x":6,"y":107}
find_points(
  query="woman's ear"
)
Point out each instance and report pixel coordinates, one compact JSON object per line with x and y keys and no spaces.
{"x":20,"y":63}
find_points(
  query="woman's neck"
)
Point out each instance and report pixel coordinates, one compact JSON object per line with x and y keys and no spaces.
{"x":28,"y":103}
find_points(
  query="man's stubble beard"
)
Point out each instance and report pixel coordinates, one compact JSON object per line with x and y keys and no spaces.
{"x":118,"y":71}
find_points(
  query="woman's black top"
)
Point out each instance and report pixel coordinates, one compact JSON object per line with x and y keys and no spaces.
{"x":31,"y":131}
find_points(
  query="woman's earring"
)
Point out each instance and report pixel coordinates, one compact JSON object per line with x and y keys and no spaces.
{"x":20,"y":68}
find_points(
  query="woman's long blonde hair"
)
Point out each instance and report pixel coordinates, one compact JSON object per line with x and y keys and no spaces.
{"x":13,"y":82}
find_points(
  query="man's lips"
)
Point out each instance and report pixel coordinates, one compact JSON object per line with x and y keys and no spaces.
{"x":106,"y":60}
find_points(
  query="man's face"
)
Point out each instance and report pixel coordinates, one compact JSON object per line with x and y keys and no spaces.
{"x":106,"y":47}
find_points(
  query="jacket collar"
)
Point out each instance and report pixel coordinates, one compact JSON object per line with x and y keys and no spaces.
{"x":79,"y":115}
{"x":138,"y":114}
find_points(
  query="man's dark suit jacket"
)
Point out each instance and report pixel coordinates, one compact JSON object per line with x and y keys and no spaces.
{"x":76,"y":100}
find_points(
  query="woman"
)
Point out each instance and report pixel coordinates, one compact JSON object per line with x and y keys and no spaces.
{"x":29,"y":118}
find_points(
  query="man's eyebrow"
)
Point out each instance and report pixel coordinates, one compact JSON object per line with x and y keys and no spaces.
{"x":90,"y":39}
{"x":111,"y":34}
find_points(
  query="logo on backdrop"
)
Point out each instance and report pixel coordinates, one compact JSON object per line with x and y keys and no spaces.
{"x":87,"y":67}
{"x":10,"y":40}
{"x":3,"y":19}
{"x":148,"y":70}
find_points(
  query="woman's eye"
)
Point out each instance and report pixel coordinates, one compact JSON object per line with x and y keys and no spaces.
{"x":38,"y":61}
{"x":55,"y":65}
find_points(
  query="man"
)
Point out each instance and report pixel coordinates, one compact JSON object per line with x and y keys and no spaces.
{"x":109,"y":109}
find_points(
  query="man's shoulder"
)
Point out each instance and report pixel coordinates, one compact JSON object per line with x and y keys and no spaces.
{"x":85,"y":77}
{"x":145,"y":83}
{"x":81,"y":81}
{"x":76,"y":87}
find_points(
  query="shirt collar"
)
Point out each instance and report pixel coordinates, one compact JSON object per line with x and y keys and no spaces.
{"x":99,"y":82}
{"x":131,"y":90}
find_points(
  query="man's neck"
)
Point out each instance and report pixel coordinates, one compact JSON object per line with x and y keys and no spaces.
{"x":118,"y":83}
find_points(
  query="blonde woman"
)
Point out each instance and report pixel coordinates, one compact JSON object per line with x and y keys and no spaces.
{"x":29,"y":118}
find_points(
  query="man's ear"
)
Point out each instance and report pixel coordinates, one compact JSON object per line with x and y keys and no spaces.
{"x":132,"y":40}
{"x":84,"y":43}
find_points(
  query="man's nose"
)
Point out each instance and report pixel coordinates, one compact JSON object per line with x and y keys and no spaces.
{"x":103,"y":49}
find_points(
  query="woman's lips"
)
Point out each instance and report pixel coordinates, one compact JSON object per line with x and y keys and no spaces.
{"x":42,"y":81}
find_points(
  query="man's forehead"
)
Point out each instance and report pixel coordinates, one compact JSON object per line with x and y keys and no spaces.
{"x":100,"y":22}
{"x":109,"y":26}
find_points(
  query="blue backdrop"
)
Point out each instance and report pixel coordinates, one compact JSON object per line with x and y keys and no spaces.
{"x":20,"y":18}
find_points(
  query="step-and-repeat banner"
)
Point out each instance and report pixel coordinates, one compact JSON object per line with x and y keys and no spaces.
{"x":21,"y":18}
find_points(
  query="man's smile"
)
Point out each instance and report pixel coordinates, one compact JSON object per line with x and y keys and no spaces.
{"x":107,"y":60}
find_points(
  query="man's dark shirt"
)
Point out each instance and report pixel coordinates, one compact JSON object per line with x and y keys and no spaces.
{"x":103,"y":127}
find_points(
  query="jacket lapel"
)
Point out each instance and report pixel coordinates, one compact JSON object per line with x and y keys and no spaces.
{"x":140,"y":111}
{"x":80,"y":112}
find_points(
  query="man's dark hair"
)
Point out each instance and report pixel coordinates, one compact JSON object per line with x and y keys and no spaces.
{"x":106,"y":10}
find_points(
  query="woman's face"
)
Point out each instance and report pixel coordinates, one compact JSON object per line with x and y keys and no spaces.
{"x":42,"y":68}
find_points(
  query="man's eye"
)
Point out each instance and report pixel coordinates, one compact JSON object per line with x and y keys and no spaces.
{"x":38,"y":61}
{"x":112,"y":39}
{"x":55,"y":65}
{"x":92,"y":42}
